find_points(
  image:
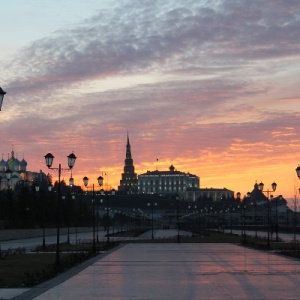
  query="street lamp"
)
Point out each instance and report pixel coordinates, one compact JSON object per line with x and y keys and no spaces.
{"x":238,"y":197}
{"x":276,"y":216}
{"x":37,"y":189}
{"x":100,"y":182}
{"x":8,"y":174}
{"x":152,"y":206}
{"x":232,"y":209}
{"x":254,"y":204}
{"x":107,"y":194}
{"x":70,"y":197}
{"x":71,"y":161}
{"x":261,"y":187}
{"x":178,"y":224}
{"x":2,"y":93}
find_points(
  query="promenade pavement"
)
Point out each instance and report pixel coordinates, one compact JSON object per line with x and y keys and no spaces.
{"x":177,"y":271}
{"x":30,"y":243}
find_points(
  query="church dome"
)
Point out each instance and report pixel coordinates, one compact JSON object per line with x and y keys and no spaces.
{"x":3,"y":163}
{"x":23,"y":163}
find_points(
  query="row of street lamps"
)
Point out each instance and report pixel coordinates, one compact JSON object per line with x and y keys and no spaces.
{"x":71,"y":161}
{"x":49,"y":161}
{"x":106,"y":194}
{"x":100,"y":182}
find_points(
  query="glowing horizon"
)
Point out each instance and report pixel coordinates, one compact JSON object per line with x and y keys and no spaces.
{"x":211,"y":87}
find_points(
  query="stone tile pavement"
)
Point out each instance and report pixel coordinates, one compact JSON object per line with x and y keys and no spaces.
{"x":178,"y":271}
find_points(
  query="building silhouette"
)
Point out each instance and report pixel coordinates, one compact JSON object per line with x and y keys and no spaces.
{"x":166,"y":182}
{"x":129,"y":181}
{"x":19,"y":172}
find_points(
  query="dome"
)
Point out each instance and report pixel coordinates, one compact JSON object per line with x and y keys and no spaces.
{"x":23,"y":163}
{"x":16,"y":162}
{"x":3,"y":163}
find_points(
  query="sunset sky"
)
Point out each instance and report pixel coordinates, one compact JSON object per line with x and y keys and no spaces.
{"x":212,"y":87}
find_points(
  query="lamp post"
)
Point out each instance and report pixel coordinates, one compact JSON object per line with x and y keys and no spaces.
{"x":107,"y":194}
{"x":152,"y":206}
{"x":238,"y":196}
{"x":37,"y":189}
{"x":254,"y":204}
{"x":178,"y":225}
{"x":261,"y":187}
{"x":8,"y":173}
{"x":244,"y":222}
{"x":70,"y":197}
{"x":276,"y":216}
{"x":231,"y":211}
{"x":2,"y":93}
{"x":49,"y":161}
{"x":100,"y":182}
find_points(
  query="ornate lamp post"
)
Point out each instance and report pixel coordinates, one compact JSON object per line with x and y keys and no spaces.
{"x":100,"y":182}
{"x":37,"y":189}
{"x":243,"y":207}
{"x":71,"y":161}
{"x":8,"y":174}
{"x":261,"y":187}
{"x":68,"y":203}
{"x":107,"y":194}
{"x":254,"y":204}
{"x":152,"y":207}
{"x":276,"y":216}
{"x":178,"y":224}
{"x":2,"y":93}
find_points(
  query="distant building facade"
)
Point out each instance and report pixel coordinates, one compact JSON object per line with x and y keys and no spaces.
{"x":129,"y":181}
{"x":208,"y":194}
{"x":166,"y":182}
{"x":19,"y":172}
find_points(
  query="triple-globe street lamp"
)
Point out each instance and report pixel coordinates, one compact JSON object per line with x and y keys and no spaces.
{"x":100,"y":182}
{"x":49,"y":161}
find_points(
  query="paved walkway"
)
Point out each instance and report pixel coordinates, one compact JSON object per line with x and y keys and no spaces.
{"x":178,"y":271}
{"x":30,"y":243}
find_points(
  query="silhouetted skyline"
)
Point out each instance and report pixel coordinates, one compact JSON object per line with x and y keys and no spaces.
{"x":208,"y":86}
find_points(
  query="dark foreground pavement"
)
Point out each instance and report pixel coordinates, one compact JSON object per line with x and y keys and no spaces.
{"x":178,"y":271}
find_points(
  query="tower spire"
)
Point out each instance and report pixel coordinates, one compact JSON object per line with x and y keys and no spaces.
{"x":128,"y":149}
{"x":128,"y":183}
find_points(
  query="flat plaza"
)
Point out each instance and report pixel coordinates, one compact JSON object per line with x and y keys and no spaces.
{"x":178,"y":271}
